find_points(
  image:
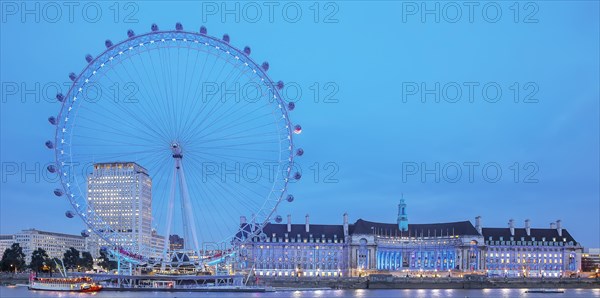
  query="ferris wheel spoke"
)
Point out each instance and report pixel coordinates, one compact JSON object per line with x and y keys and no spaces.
{"x":216,"y":193}
{"x":227,"y":215}
{"x":213,"y":162}
{"x":167,"y":99}
{"x":172,"y":99}
{"x":208,"y":209}
{"x":122,"y":133}
{"x":214,"y":108}
{"x":234,"y":158}
{"x":184,"y":89}
{"x":202,"y":201}
{"x":162,"y":171}
{"x":128,"y":113}
{"x":174,"y":72}
{"x":192,"y":115}
{"x":142,"y":107}
{"x":241,"y":106}
{"x":122,"y":83}
{"x":222,"y":118}
{"x":162,"y":106}
{"x":182,"y":95}
{"x":226,"y":140}
{"x":205,"y":233}
{"x":111,"y":119}
{"x":113,"y":155}
{"x":200,"y":127}
{"x":107,"y":142}
{"x":193,"y":99}
{"x":245,"y":131}
{"x":236,"y":135}
{"x":152,"y":100}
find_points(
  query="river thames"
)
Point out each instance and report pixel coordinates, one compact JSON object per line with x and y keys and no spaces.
{"x":6,"y":292}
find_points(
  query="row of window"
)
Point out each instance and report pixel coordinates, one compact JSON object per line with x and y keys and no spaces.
{"x":531,"y":243}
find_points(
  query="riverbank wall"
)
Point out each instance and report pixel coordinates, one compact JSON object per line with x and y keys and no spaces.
{"x":427,"y":283}
{"x":389,"y":282}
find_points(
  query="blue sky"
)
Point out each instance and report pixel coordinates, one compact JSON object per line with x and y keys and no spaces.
{"x":371,"y":135}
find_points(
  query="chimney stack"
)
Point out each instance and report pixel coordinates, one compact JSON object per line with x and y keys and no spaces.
{"x":307,"y":224}
{"x":527,"y":227}
{"x":345,"y":224}
{"x":289,"y":223}
{"x":511,"y":225}
{"x":559,"y":228}
{"x":478,"y":224}
{"x":553,"y":225}
{"x":242,"y":220}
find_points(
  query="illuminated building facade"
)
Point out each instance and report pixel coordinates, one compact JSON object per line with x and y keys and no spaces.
{"x":297,"y":250}
{"x":55,"y":244}
{"x":176,"y":242}
{"x":590,"y":260}
{"x":400,"y":248}
{"x":121,"y":194}
{"x":6,"y":241}
{"x":531,"y":252}
{"x":437,"y":247}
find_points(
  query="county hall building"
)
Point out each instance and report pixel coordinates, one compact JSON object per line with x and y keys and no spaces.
{"x":403,"y":248}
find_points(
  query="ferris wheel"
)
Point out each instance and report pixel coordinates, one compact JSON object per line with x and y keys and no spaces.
{"x":194,"y":114}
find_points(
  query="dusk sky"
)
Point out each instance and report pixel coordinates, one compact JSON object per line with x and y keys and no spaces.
{"x":368,"y":131}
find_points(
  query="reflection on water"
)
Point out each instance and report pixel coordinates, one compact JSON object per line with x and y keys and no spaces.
{"x":6,"y":292}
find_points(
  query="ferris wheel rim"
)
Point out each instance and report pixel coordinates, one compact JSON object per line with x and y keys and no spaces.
{"x":77,"y":81}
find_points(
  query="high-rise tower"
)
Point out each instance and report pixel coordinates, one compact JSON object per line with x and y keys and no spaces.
{"x":121,"y":194}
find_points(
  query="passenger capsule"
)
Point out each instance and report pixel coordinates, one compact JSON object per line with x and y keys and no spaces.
{"x":178,"y":26}
{"x":72,"y":76}
{"x":203,"y":30}
{"x":297,"y":129}
{"x":290,"y":198}
{"x":130,"y":33}
{"x":49,"y":144}
{"x":297,"y":176}
{"x":247,"y":50}
{"x":58,"y":192}
{"x":108,"y":43}
{"x":85,"y":233}
{"x":300,"y":152}
{"x":265,"y":66}
{"x":278,"y":219}
{"x":60,"y":97}
{"x":291,"y":106}
{"x":154,"y":27}
{"x":52,"y":120}
{"x":89,"y":58}
{"x":51,"y":168}
{"x":226,"y":38}
{"x":279,"y":85}
{"x":69,"y":214}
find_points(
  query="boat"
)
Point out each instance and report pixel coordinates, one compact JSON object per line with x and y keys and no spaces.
{"x":65,"y":284}
{"x":545,"y":291}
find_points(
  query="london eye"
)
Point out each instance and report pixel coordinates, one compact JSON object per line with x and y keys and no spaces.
{"x":201,"y":118}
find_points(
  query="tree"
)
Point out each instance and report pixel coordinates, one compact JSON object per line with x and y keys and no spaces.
{"x":71,"y":258}
{"x":13,"y":258}
{"x":105,"y":262}
{"x":39,"y":258}
{"x":86,"y":261}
